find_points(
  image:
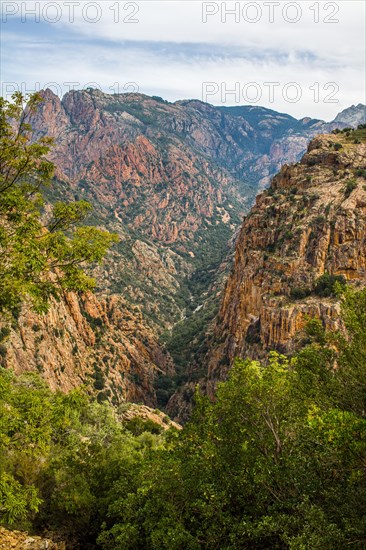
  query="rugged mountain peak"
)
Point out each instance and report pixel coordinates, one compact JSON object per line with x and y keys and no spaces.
{"x":354,"y":115}
{"x":310,"y":222}
{"x":52,"y":110}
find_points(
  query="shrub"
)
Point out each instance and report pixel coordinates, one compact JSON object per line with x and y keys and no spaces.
{"x":350,"y":186}
{"x":360,"y":173}
{"x":299,"y":293}
{"x":338,"y":146}
{"x":325,"y":286}
{"x":4,"y":332}
{"x":138,"y":426}
{"x":99,"y":380}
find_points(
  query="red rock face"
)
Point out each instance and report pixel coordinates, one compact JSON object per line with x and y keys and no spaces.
{"x":306,"y":225}
{"x":131,"y":152}
{"x":143,"y":171}
{"x":164,"y":168}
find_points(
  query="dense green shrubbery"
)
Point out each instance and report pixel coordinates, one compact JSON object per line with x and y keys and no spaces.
{"x":350,"y":185}
{"x":278,"y":461}
{"x":299,"y":293}
{"x":326,"y":285}
{"x":60,"y":456}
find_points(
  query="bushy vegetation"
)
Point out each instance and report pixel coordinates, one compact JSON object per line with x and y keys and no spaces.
{"x":60,"y":455}
{"x":356,"y":135}
{"x":327,"y":285}
{"x":277,"y":461}
{"x":299,"y":293}
{"x":350,"y":185}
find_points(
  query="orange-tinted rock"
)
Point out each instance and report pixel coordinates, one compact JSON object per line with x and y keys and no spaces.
{"x":306,"y":225}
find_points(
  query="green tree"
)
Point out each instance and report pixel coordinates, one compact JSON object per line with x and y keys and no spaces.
{"x":60,"y":457}
{"x":38,"y":260}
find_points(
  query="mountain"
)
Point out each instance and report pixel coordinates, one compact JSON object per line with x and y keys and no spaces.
{"x":306,"y":232}
{"x":353,"y":116}
{"x":174,"y":181}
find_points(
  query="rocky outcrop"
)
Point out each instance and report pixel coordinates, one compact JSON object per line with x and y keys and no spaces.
{"x":18,"y":540}
{"x":100,"y":343}
{"x":311,"y":221}
{"x":132,"y":410}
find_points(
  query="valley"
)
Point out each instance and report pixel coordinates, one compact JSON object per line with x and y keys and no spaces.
{"x":174,"y":181}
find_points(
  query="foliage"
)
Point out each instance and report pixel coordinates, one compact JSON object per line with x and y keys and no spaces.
{"x":60,"y":454}
{"x":326,"y":285}
{"x":299,"y":293}
{"x":38,"y":260}
{"x":350,"y":185}
{"x":276,"y":461}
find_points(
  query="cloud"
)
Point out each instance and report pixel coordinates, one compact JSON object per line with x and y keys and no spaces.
{"x":171,"y":52}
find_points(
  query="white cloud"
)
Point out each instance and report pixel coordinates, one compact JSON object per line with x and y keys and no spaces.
{"x":171,"y":52}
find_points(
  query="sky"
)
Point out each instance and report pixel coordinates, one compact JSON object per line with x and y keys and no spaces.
{"x":305,"y":58}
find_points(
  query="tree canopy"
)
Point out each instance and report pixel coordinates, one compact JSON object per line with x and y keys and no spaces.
{"x":276,"y":461}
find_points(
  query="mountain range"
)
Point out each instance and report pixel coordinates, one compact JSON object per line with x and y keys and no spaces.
{"x":174,"y":180}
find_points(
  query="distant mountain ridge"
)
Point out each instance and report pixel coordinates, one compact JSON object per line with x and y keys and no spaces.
{"x":354,"y":115}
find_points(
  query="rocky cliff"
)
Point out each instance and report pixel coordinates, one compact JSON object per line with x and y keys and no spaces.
{"x":17,"y":540}
{"x":310,"y":222}
{"x":100,"y":343}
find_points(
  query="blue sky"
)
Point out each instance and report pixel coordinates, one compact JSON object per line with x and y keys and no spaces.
{"x":304,"y":58}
